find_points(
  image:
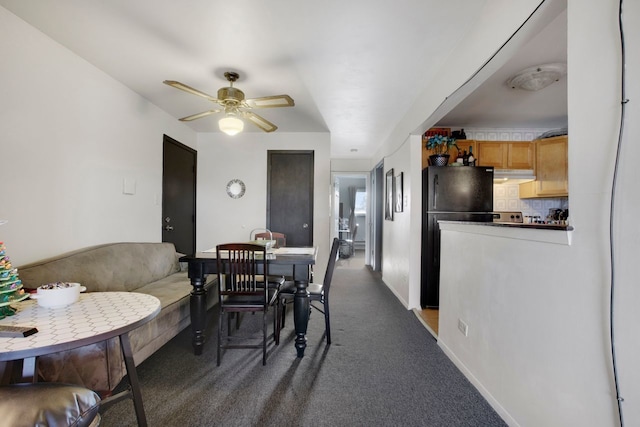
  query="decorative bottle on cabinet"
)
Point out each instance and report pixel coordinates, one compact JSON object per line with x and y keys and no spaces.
{"x":471,"y":160}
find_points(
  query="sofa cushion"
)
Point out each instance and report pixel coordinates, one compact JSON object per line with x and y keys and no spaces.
{"x":47,"y":404}
{"x":109,"y":267}
{"x":169,"y":289}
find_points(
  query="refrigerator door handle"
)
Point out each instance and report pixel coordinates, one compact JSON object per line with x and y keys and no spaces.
{"x":435,"y":192}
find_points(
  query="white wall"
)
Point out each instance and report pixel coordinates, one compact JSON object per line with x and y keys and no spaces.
{"x":70,"y":136}
{"x":397,"y":267}
{"x":538,"y":345}
{"x":351,"y":165}
{"x":244,"y":156}
{"x":497,"y":22}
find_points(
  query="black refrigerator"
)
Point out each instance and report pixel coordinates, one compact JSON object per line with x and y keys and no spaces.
{"x":463,"y":193}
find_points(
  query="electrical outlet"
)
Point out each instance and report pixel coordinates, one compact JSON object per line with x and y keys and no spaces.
{"x":463,"y":327}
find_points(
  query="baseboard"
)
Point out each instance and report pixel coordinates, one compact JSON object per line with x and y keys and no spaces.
{"x":478,"y":385}
{"x":402,"y":300}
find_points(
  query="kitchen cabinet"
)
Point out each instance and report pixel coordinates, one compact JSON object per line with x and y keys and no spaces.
{"x":506,"y":154}
{"x":552,"y":172}
{"x":463,"y":144}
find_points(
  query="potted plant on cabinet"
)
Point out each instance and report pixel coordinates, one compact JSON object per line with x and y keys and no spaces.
{"x":440,"y":146}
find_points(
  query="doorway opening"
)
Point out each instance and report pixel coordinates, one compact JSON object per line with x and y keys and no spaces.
{"x":351,"y":217}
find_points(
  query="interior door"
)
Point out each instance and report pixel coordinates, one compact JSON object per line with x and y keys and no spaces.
{"x":290,"y":195}
{"x":179,"y":195}
{"x":377,"y":215}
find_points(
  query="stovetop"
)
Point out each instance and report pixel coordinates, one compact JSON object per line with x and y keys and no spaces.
{"x":508,"y":217}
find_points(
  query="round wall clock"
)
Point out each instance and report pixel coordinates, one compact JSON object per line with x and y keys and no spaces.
{"x":235,"y":188}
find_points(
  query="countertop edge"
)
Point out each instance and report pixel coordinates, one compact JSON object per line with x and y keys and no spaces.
{"x":546,"y":233}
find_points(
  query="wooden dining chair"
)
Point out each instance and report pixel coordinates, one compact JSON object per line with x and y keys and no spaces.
{"x":280,"y":238}
{"x":318,"y":293}
{"x":241,"y":269}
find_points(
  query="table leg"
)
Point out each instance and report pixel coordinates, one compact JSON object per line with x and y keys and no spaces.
{"x":133,"y":379}
{"x":198,"y":311}
{"x":301,"y":315}
{"x":29,"y":370}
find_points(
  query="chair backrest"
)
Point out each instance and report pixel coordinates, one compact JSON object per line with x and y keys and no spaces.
{"x":331,"y":265}
{"x":280,"y":238}
{"x":241,"y":267}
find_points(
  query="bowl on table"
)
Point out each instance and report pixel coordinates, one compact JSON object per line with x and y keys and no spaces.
{"x":58,"y":294}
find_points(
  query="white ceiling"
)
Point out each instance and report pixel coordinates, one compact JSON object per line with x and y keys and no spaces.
{"x":495,"y":104}
{"x":353,"y":67}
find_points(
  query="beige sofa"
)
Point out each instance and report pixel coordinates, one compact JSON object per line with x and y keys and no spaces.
{"x":150,"y":268}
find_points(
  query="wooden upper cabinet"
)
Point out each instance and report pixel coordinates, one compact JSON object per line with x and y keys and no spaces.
{"x":552,"y":161}
{"x":506,"y":154}
{"x":521,"y":155}
{"x":552,"y":169}
{"x":492,"y":154}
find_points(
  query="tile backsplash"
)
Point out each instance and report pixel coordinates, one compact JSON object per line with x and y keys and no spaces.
{"x":502,"y":134}
{"x":506,"y":197}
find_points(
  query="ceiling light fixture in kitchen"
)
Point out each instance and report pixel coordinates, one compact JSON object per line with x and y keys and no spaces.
{"x":538,"y":77}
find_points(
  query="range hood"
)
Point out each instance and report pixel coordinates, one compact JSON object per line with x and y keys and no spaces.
{"x":501,"y":175}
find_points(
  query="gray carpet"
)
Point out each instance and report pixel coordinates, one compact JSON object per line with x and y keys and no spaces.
{"x":382,"y":369}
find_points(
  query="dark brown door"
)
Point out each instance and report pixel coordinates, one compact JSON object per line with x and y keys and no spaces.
{"x":290,"y":195}
{"x":179,"y":195}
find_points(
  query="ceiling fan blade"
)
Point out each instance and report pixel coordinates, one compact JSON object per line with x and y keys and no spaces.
{"x":197,"y":116}
{"x":189,"y":89}
{"x":270,"y":101}
{"x":259,"y":121}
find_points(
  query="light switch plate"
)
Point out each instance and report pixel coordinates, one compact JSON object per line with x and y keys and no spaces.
{"x":129,"y":186}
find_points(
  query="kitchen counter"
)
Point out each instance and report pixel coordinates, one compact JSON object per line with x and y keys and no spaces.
{"x":548,"y":233}
{"x":523,"y":225}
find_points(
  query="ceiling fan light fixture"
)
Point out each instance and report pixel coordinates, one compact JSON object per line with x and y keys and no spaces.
{"x":231,"y":125}
{"x":538,"y":77}
{"x":234,"y":104}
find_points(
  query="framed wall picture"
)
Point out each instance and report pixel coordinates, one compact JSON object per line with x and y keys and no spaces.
{"x":398,"y":192}
{"x":389,"y":195}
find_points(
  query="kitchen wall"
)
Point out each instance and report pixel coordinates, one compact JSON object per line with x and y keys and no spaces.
{"x":539,"y":313}
{"x":401,"y":240}
{"x":506,"y":195}
{"x":506,"y":198}
{"x":539,"y":347}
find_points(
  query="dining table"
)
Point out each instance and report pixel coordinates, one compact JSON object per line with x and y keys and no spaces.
{"x":95,"y":317}
{"x":292,"y":262}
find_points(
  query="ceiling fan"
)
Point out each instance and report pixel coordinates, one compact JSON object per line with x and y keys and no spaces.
{"x":235,"y":106}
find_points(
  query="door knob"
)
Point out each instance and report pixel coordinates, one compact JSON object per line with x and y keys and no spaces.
{"x":305,"y":225}
{"x":168,"y":228}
